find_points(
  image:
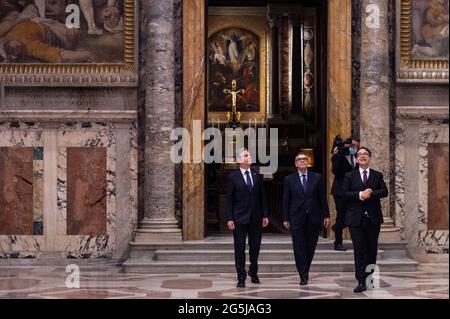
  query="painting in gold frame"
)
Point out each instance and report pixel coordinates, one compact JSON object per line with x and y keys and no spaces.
{"x":236,"y":50}
{"x":423,"y":40}
{"x":99,"y":52}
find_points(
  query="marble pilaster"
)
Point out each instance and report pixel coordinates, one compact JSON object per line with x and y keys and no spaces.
{"x":157,"y":80}
{"x":194,"y":33}
{"x":417,"y":129}
{"x":339,"y":79}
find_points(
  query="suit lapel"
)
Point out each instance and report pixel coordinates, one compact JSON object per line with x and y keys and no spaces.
{"x":308,"y":183}
{"x":371,"y":179}
{"x":242,"y":179}
{"x":359,"y":178}
{"x":254,"y":177}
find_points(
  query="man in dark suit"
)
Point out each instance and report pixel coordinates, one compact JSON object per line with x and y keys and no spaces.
{"x":246,"y":214}
{"x":363,"y":189}
{"x":304,"y":207}
{"x":342,"y":162}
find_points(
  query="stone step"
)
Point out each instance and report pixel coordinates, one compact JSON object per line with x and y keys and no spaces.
{"x":267,"y":244}
{"x":177,"y":267}
{"x":264,"y":255}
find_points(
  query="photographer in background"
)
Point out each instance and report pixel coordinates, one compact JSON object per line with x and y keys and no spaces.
{"x":343,"y":161}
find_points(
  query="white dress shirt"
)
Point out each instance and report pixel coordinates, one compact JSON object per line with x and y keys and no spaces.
{"x":301,"y":177}
{"x":245,"y":176}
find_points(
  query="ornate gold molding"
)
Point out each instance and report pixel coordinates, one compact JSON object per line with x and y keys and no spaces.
{"x":80,"y":74}
{"x":415,"y":69}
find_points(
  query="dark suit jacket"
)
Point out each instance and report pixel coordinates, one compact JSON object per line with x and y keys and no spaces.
{"x":340,"y":166}
{"x":297,"y":205}
{"x":356,"y":207}
{"x":241,"y":203}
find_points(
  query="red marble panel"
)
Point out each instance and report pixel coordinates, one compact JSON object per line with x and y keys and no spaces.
{"x":438,"y":186}
{"x":86,"y":191}
{"x":16,"y":190}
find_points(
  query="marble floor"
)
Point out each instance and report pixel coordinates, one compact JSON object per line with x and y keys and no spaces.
{"x":431,"y":281}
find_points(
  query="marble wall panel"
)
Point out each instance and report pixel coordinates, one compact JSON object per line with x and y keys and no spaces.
{"x":16,"y":191}
{"x":16,"y":246}
{"x":438,"y":186}
{"x":86,"y":191}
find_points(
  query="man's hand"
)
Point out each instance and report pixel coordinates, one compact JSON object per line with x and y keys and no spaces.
{"x":287,"y":225}
{"x":265,"y":222}
{"x":326,"y":222}
{"x":335,"y":150}
{"x":365,"y":194}
{"x":230,"y":225}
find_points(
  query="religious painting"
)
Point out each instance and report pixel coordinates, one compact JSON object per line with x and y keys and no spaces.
{"x":233,"y":54}
{"x":236,"y":52}
{"x":424,"y":33}
{"x":66,"y":36}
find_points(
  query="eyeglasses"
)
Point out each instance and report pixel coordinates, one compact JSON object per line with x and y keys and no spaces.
{"x":364,"y":153}
{"x":302,"y":159}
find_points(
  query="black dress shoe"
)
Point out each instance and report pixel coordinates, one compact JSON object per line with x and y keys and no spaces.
{"x":254,"y":279}
{"x":361,"y":287}
{"x":241,"y":284}
{"x":339,"y":247}
{"x":303,"y":282}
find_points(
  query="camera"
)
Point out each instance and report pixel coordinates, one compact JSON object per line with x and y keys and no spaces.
{"x":341,"y":144}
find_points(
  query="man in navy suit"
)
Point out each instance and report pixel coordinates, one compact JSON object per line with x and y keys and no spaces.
{"x":246,"y":214}
{"x":363,"y":189}
{"x":304,"y":207}
{"x":342,"y":162}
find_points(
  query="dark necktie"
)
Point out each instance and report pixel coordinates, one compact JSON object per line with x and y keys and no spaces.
{"x":352,"y":161}
{"x":248,"y":181}
{"x":304,"y":182}
{"x":365,"y":177}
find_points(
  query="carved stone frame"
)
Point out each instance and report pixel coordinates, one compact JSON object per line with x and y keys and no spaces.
{"x":81,"y":74}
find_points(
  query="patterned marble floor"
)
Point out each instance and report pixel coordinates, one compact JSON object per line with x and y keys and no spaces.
{"x":431,"y":281}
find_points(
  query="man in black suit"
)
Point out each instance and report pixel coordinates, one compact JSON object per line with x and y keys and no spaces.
{"x":342,"y":162}
{"x":304,"y":207}
{"x":246,"y":214}
{"x":363,"y":189}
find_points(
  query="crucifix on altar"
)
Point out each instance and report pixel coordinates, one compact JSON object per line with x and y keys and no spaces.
{"x":233,"y":117}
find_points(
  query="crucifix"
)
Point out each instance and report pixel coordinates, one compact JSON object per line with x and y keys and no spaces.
{"x":234,"y":115}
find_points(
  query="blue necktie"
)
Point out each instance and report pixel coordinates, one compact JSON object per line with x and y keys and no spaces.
{"x":304,"y":182}
{"x":248,"y":181}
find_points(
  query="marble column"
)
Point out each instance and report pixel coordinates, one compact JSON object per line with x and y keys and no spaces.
{"x":374,"y":88}
{"x":157,"y":78}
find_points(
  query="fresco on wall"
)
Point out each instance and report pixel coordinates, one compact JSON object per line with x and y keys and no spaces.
{"x":46,"y":31}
